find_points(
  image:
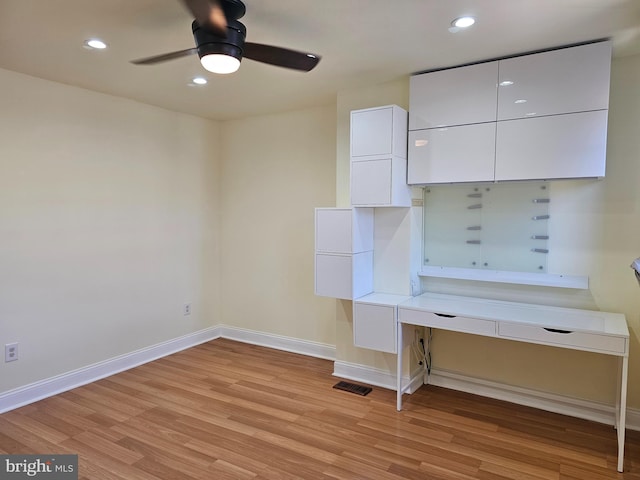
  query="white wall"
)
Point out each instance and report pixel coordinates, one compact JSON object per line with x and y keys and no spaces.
{"x":276,"y":170}
{"x":108,"y":224}
{"x":595,"y":232}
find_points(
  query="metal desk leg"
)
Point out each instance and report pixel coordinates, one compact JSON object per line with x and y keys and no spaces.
{"x":622,"y":411}
{"x":399,"y":345}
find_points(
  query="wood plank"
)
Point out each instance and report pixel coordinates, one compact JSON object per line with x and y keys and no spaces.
{"x":36,"y":427}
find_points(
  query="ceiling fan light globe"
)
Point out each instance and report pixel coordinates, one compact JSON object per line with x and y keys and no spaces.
{"x":220,"y":63}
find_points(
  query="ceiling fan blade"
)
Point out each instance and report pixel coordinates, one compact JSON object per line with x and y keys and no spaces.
{"x":209,"y":14}
{"x":165,"y":57}
{"x":281,"y":57}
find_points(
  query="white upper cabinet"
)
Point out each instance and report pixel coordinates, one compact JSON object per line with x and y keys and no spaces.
{"x":558,"y":146}
{"x":452,"y":154}
{"x":380,"y":131}
{"x":456,"y":96}
{"x":568,"y":80}
{"x":539,"y":107}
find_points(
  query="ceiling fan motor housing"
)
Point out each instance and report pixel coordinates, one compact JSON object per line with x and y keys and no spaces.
{"x":208,"y":42}
{"x":220,"y":41}
{"x":233,"y":9}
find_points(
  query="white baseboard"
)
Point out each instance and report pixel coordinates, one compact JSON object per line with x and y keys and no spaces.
{"x":279,"y":342}
{"x":633,"y":419}
{"x":61,"y":383}
{"x":574,"y":407}
{"x":376,"y":376}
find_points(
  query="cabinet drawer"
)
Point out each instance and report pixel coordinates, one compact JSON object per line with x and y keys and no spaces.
{"x":563,"y":338}
{"x":456,"y":324}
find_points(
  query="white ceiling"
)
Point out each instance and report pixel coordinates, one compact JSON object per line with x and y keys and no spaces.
{"x":362,"y":42}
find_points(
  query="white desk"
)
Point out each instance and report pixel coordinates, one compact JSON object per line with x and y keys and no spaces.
{"x":593,"y":331}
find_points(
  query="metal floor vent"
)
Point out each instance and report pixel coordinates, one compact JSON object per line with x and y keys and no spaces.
{"x":353,"y":388}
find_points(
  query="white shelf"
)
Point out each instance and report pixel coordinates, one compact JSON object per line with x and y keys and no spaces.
{"x":520,"y":278}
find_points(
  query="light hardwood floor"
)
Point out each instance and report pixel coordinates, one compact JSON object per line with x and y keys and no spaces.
{"x":227,"y":410}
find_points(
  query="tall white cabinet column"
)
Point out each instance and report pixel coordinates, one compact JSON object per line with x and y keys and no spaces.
{"x":378,"y":179}
{"x":379,"y":157}
{"x":362,"y":247}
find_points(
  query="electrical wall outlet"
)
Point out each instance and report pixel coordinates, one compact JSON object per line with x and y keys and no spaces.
{"x":186,"y":309}
{"x":11,"y":352}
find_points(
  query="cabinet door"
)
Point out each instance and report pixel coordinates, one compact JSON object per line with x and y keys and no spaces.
{"x":371,"y":182}
{"x":559,"y":146}
{"x":344,"y":276}
{"x":568,"y":80}
{"x":457,"y":96}
{"x":344,"y":230}
{"x":374,"y":327}
{"x":379,"y":131}
{"x":334,"y":230}
{"x":334,"y":276}
{"x":452,"y":154}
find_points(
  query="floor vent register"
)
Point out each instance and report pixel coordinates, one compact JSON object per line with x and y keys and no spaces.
{"x":353,"y":388}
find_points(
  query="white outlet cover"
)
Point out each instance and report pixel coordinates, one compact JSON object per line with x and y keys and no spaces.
{"x":11,"y":352}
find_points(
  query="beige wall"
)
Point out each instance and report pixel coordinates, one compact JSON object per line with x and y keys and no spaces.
{"x":113,"y":214}
{"x":276,"y":170}
{"x":108,"y":225}
{"x":595,"y":232}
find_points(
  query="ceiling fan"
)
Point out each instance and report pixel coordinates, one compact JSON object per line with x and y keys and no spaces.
{"x":220,"y":41}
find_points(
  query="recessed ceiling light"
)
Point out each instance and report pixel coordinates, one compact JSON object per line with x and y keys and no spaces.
{"x":522,"y":100}
{"x":199,"y":81}
{"x":95,"y":43}
{"x":463,"y":22}
{"x":530,"y":114}
{"x":506,"y":83}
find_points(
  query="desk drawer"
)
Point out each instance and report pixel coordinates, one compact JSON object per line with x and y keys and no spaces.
{"x":563,"y":338}
{"x":456,"y":324}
